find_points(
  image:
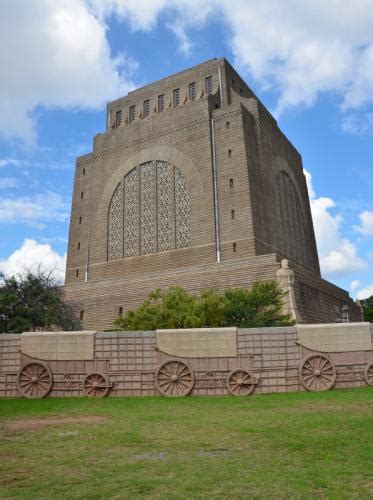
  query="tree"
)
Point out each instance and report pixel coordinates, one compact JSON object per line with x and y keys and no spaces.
{"x":261,"y":306}
{"x":367,"y":305}
{"x":239,"y":307}
{"x":33,"y":302}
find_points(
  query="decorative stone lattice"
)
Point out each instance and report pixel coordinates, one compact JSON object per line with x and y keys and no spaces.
{"x":182,"y":208}
{"x":164,"y":181}
{"x":115,"y":229}
{"x":151,"y":214}
{"x":292,"y":225}
{"x":131,"y":214}
{"x":148,"y":209}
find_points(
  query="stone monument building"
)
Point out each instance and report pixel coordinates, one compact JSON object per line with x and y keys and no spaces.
{"x":193,"y":184}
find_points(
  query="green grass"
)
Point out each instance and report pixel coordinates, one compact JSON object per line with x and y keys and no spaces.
{"x":299,"y":445}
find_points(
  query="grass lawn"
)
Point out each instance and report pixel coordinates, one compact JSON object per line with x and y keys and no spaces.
{"x":299,"y":445}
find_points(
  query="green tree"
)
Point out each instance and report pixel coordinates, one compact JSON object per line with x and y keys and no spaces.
{"x":261,"y":306}
{"x":176,"y":308}
{"x":33,"y":302}
{"x":367,"y":305}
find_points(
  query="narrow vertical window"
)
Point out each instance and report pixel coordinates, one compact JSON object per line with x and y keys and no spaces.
{"x":234,"y":247}
{"x":208,"y":85}
{"x":232,"y":214}
{"x":160,"y":103}
{"x":120,"y":311}
{"x":176,"y":97}
{"x":118,"y":119}
{"x":77,"y":273}
{"x":81,"y":195}
{"x":81,"y":315}
{"x":83,"y":171}
{"x":80,"y":220}
{"x":146,"y":107}
{"x":131,"y":115}
{"x":230,"y":183}
{"x":192,"y":91}
{"x":228,"y":125}
{"x":229,"y":153}
{"x":78,"y":245}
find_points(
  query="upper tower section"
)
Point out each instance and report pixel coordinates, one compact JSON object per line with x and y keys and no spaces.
{"x":215,"y":77}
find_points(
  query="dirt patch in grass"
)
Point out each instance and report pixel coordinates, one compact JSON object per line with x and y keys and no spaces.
{"x":30,"y":424}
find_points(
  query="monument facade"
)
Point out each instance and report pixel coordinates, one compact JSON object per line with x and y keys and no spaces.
{"x":193,"y":184}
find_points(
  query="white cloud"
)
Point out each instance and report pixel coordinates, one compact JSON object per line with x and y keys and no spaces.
{"x":338,"y":255}
{"x":362,"y":124}
{"x":61,"y":55}
{"x":8,"y":182}
{"x":354,"y":284}
{"x":365,"y":292}
{"x":35,"y":210}
{"x":366,"y":223}
{"x":54,"y":54}
{"x":33,"y":256}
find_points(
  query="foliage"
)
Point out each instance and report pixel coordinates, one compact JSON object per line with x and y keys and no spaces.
{"x":258,"y":307}
{"x":239,"y":307}
{"x":367,"y":305}
{"x":32,"y":302}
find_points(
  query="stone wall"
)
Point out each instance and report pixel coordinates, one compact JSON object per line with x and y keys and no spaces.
{"x":130,"y":363}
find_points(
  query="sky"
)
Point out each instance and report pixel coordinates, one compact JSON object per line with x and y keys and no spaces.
{"x":310,"y":63}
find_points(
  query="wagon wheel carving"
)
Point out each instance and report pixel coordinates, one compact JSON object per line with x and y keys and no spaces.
{"x":34,"y":380}
{"x":96,"y":385}
{"x":240,"y":382}
{"x":317,"y":373}
{"x":174,"y":378}
{"x":368,"y":374}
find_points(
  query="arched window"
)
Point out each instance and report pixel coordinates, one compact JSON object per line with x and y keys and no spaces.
{"x":292,"y":223}
{"x":149,"y":211}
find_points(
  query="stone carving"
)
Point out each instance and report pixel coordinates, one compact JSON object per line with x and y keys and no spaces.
{"x":164,"y":182}
{"x":148,"y":209}
{"x":134,"y":363}
{"x":115,"y":231}
{"x":34,"y":380}
{"x":131,"y":214}
{"x":285,"y":279}
{"x":240,"y":382}
{"x":293,"y":240}
{"x":317,"y":373}
{"x":174,"y":378}
{"x":368,"y":374}
{"x":96,"y":385}
{"x":151,"y":214}
{"x":182,"y":202}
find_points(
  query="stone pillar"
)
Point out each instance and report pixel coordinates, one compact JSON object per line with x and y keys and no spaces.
{"x":285,"y":279}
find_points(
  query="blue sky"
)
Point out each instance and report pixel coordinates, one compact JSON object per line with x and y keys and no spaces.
{"x":311,"y":63}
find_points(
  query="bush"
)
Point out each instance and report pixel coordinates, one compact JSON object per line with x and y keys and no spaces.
{"x":239,"y":307}
{"x":367,"y":305}
{"x":33,"y":302}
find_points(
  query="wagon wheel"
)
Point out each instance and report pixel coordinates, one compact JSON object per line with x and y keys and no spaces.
{"x":34,"y":380}
{"x":317,"y":373}
{"x":174,"y":378}
{"x":96,"y":385}
{"x":240,"y":382}
{"x":369,"y":374}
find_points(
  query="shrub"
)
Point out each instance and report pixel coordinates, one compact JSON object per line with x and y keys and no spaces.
{"x":176,"y":308}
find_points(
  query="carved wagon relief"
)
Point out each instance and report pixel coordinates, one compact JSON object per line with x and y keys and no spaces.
{"x":217,"y":361}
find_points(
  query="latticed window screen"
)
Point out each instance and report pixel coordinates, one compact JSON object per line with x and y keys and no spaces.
{"x":208,"y":85}
{"x":176,"y":97}
{"x":149,"y":212}
{"x":192,"y":91}
{"x":293,"y":237}
{"x":161,"y":103}
{"x":146,"y":107}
